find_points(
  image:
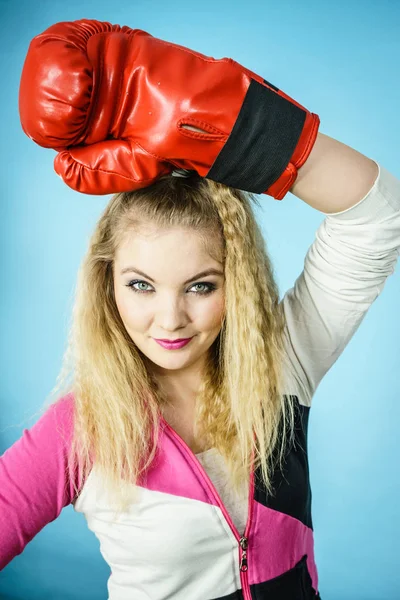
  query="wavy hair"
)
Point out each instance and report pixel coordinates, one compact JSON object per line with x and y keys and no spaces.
{"x":241,"y":409}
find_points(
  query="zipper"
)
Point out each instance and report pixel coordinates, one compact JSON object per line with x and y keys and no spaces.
{"x":242,"y":540}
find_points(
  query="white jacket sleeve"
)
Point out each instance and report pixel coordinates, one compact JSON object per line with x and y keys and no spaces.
{"x":345,"y":270}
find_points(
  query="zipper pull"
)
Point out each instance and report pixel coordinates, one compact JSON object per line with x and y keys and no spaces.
{"x":243,"y":562}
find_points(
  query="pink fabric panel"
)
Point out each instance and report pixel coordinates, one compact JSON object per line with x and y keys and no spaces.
{"x":276,"y":544}
{"x":34,"y":483}
{"x":175,"y":470}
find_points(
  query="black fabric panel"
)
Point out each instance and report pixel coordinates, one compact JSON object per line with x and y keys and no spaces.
{"x":292,"y":491}
{"x":261,"y":142}
{"x":295,"y":584}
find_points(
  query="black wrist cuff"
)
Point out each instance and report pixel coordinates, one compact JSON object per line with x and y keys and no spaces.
{"x":261,"y":142}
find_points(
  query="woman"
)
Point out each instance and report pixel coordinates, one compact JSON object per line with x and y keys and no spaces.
{"x":190,"y":463}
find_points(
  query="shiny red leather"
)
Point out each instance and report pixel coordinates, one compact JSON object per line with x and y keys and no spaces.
{"x":113,"y":102}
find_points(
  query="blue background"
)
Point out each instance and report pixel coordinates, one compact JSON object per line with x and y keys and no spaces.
{"x":340,"y":60}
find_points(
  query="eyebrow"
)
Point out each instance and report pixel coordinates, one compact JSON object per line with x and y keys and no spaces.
{"x":202,"y":274}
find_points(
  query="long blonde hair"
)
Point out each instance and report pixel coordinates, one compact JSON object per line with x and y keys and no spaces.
{"x":241,"y":407}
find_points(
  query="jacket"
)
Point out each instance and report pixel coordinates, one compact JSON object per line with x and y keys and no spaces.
{"x":178,"y":539}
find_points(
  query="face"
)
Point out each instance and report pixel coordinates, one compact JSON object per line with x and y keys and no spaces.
{"x":160,"y":296}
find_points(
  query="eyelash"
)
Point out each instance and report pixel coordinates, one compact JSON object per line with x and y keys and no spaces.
{"x":211,"y":287}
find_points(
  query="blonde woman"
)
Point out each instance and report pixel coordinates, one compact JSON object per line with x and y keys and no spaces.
{"x":179,"y":427}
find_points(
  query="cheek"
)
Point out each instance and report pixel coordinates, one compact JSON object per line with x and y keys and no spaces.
{"x":214,"y":312}
{"x":131,"y":317}
{"x":121,"y":303}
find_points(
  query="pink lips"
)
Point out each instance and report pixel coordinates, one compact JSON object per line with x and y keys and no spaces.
{"x":173,"y":345}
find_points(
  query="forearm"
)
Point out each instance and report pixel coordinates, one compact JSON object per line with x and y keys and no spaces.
{"x":334,"y":177}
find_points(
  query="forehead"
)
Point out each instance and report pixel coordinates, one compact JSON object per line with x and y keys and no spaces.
{"x":161,"y":244}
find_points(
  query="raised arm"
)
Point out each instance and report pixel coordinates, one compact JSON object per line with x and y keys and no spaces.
{"x":335,"y":176}
{"x":345,"y":269}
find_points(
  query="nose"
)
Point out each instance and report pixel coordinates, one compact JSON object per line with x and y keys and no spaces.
{"x":172,"y":315}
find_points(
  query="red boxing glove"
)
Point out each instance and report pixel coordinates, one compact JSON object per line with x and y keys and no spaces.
{"x":114,"y":101}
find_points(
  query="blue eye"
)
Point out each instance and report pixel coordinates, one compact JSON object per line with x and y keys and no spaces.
{"x":210,"y":287}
